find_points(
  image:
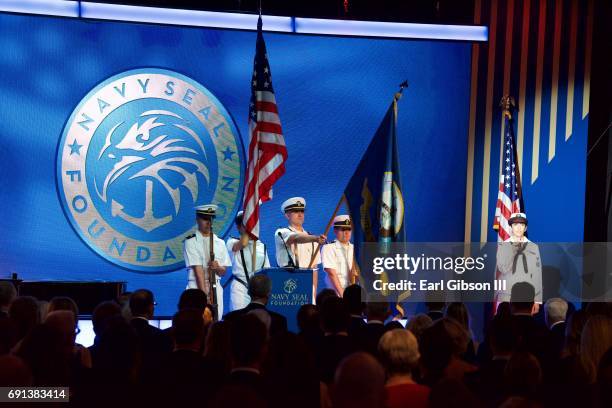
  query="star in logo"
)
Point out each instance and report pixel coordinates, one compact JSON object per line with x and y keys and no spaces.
{"x":75,"y":148}
{"x":227,"y":154}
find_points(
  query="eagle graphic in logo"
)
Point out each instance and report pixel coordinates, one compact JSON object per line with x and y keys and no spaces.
{"x":137,"y":154}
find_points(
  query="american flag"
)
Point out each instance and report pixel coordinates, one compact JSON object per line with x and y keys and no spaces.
{"x":267,"y":150}
{"x":510,"y":196}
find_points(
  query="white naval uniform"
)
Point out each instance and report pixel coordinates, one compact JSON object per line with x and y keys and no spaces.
{"x":505,"y":259}
{"x":340,"y":258}
{"x":300,"y":253}
{"x":197,"y":252}
{"x":239,"y":295}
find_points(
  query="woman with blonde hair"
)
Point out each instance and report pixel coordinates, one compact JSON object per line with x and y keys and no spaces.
{"x":398,"y":350}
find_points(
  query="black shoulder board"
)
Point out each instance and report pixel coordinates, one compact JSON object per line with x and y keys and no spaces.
{"x":189,"y":237}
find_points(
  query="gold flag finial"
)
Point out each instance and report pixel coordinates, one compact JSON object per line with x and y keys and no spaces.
{"x":507,"y":104}
{"x":398,"y":94}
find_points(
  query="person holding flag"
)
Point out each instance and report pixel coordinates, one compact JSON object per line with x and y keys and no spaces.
{"x":518,"y":259}
{"x":267,"y":152}
{"x":338,"y":257}
{"x":243,"y":268}
{"x":295,"y":247}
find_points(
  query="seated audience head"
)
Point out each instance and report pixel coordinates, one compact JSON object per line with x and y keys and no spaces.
{"x":555,"y":310}
{"x":63,"y":303}
{"x":193,"y":299}
{"x":101,"y":315}
{"x":142,"y":303}
{"x":398,"y":350}
{"x":359,"y":382}
{"x":260,"y":287}
{"x":353,"y":297}
{"x":417,"y":324}
{"x":323,"y":295}
{"x":188,"y":329}
{"x":436,"y":348}
{"x":47,"y":349}
{"x":64,"y":323}
{"x":595,"y":341}
{"x":119,"y":352}
{"x":522,"y":298}
{"x":308,"y":319}
{"x":458,"y":335}
{"x":501,"y":337}
{"x":7,"y":295}
{"x":523,"y":374}
{"x":335,"y":317}
{"x":24,"y":313}
{"x":248,"y":338}
{"x":459,"y":312}
{"x":290,"y":360}
{"x":377,"y":307}
{"x":14,"y":372}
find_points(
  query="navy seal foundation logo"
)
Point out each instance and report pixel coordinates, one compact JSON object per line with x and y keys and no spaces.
{"x":137,"y":154}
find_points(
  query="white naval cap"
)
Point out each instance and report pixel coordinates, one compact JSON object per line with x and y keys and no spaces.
{"x":343,"y":221}
{"x":517,"y":217}
{"x":209,"y":210}
{"x":294,"y":203}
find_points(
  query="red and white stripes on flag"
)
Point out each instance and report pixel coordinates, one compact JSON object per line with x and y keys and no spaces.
{"x":267,"y":150}
{"x":509,"y":197}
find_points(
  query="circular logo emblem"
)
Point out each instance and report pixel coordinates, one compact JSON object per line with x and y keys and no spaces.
{"x":137,"y":154}
{"x":290,"y":285}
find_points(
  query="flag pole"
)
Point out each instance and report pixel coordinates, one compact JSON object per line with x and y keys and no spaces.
{"x":256,"y":174}
{"x":329,"y":223}
{"x":396,"y":97}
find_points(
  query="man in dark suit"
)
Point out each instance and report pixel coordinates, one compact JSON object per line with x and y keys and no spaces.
{"x":488,"y":380}
{"x":531,"y":335}
{"x":555,"y":310}
{"x":245,"y":385}
{"x":354,"y":298}
{"x":185,"y":374}
{"x":336,"y":343}
{"x":260,"y":287}
{"x":155,"y":344}
{"x":377,"y":311}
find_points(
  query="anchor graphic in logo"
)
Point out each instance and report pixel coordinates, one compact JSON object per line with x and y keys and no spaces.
{"x":138,"y":152}
{"x":138,"y":139}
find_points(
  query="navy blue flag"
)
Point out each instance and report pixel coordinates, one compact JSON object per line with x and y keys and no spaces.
{"x":374,"y":195}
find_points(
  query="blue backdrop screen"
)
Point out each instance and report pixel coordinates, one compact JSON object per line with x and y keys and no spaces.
{"x":78,"y":114}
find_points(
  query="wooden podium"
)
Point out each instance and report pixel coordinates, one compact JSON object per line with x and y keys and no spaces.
{"x":291,"y":288}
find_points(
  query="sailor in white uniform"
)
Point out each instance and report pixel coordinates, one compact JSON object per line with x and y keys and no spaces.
{"x":241,"y":254}
{"x":198,"y":259}
{"x":518,"y":260}
{"x":294,"y":245}
{"x":338,"y":256}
